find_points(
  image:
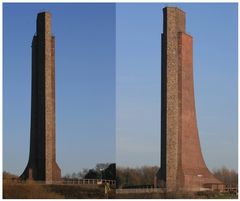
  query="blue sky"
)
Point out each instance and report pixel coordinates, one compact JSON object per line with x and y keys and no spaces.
{"x":85,"y":83}
{"x":108,"y":73}
{"x":214,"y":31}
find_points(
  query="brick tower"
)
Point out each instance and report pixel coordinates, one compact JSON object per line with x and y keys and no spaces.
{"x":42,"y":158}
{"x":182,"y":163}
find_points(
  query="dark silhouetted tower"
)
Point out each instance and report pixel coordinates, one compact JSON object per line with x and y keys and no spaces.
{"x":42,"y":158}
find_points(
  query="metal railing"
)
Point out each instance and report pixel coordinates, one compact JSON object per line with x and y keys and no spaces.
{"x":139,"y":190}
{"x":88,"y":181}
{"x":231,"y":189}
{"x":63,"y":181}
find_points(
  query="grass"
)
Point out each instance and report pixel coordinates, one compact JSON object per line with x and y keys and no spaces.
{"x":178,"y":195}
{"x":41,"y":191}
{"x":28,"y":191}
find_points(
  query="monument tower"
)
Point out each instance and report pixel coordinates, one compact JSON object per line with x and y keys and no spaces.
{"x":182,"y":163}
{"x":42,"y":158}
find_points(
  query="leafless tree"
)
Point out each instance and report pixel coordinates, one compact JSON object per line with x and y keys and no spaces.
{"x":227,"y":176}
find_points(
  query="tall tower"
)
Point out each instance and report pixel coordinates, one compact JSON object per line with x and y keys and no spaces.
{"x":42,"y":158}
{"x":182,"y":163}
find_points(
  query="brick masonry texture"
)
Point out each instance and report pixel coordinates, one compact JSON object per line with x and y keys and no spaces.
{"x":182,"y":163}
{"x":42,"y":158}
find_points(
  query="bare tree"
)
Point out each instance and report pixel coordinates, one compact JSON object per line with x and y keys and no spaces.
{"x":227,"y":176}
{"x":136,"y":176}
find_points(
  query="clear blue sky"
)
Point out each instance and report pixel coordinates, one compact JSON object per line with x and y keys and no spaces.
{"x":90,"y":38}
{"x":214,"y":31}
{"x":85,"y":83}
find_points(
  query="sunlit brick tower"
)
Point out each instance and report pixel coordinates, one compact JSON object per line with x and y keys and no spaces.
{"x":42,"y":158}
{"x":182,"y":163}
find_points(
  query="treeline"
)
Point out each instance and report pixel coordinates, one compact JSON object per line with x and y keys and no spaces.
{"x":227,"y":176}
{"x":127,"y":177}
{"x":8,"y":175}
{"x":101,"y":171}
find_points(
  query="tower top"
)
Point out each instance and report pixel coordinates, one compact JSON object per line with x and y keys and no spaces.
{"x":173,"y":8}
{"x":44,"y":24}
{"x":173,"y":20}
{"x":40,"y":14}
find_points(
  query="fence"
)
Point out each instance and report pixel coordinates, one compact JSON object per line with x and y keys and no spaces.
{"x":64,"y":181}
{"x":139,"y":190}
{"x":231,"y":189}
{"x":88,"y":181}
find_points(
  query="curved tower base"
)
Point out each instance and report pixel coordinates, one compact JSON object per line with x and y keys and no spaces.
{"x":34,"y":173}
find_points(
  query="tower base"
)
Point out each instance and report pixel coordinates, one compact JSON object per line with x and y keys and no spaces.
{"x":32,"y":173}
{"x":191,"y":180}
